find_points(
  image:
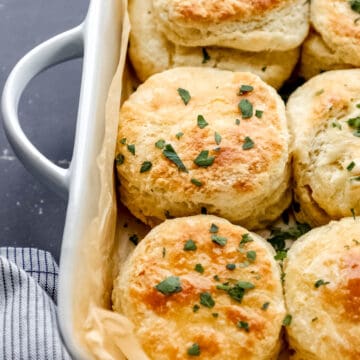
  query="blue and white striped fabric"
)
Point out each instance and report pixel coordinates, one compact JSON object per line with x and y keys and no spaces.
{"x":28,"y":294}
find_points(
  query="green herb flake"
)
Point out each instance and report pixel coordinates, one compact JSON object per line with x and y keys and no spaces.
{"x":206,"y":300}
{"x":231,"y":266}
{"x":355,"y":5}
{"x":356,"y":133}
{"x":245,"y":285}
{"x":171,"y":154}
{"x":146,"y":166}
{"x":185,"y":95}
{"x":244,"y":264}
{"x":179,"y":135}
{"x":194,"y":350}
{"x":206,"y":56}
{"x":246,"y":108}
{"x":265,"y":306}
{"x":217,"y":138}
{"x":201,"y":122}
{"x":203,"y":210}
{"x":320,"y":282}
{"x":219,"y":240}
{"x":251,"y":255}
{"x":246,"y":238}
{"x":354,"y":123}
{"x":244,"y":89}
{"x":319,"y":92}
{"x":280,"y":255}
{"x":190,"y":245}
{"x":236,"y":291}
{"x":248,"y":143}
{"x":259,"y":114}
{"x":160,"y":144}
{"x":214,"y":228}
{"x":123,"y":141}
{"x":203,"y":159}
{"x":119,"y":160}
{"x":358,"y":106}
{"x":196,"y":182}
{"x":134,"y":239}
{"x":237,"y":121}
{"x":196,"y":308}
{"x":169,"y":286}
{"x":243,"y":325}
{"x":199,"y":268}
{"x":131,"y":148}
{"x":287,"y":320}
{"x":263,"y":69}
{"x":336,"y":124}
{"x":350,"y":166}
{"x":215,"y":315}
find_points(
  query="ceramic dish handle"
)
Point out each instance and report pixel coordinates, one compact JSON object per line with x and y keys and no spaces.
{"x":63,"y":47}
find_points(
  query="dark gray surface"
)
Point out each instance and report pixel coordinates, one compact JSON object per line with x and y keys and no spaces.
{"x":30,"y":214}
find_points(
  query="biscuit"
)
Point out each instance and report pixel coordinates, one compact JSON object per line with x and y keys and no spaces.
{"x":326,"y":146}
{"x":322,"y":292}
{"x":258,"y":25}
{"x":339,"y":26}
{"x":317,"y":57}
{"x":205,"y":147}
{"x":150,"y":52}
{"x":225,"y":297}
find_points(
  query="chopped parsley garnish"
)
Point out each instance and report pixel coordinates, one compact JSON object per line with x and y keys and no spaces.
{"x":280,"y":255}
{"x":319,"y":92}
{"x":194,"y":350}
{"x":199,"y":268}
{"x":160,"y":144}
{"x":196,"y":308}
{"x":265,"y":306}
{"x":251,"y":255}
{"x":214,"y":228}
{"x":245,"y":285}
{"x":206,"y":56}
{"x":263,"y":69}
{"x":185,"y":95}
{"x":216,"y":277}
{"x":215,"y":315}
{"x":196,"y":182}
{"x":231,"y":266}
{"x":120,"y":159}
{"x":134,"y":239}
{"x":245,"y":89}
{"x":246,"y":238}
{"x":355,"y":5}
{"x":203,"y":159}
{"x":236,"y":291}
{"x":190,"y":245}
{"x":358,"y":106}
{"x":217,"y":138}
{"x":220,"y":240}
{"x":206,"y":300}
{"x":179,"y":135}
{"x":168,"y":215}
{"x":123,"y":141}
{"x":146,"y":166}
{"x":350,"y":166}
{"x":203,"y":210}
{"x":246,"y":108}
{"x":169,"y":286}
{"x":287,"y":320}
{"x":201,"y":122}
{"x":237,"y":121}
{"x":243,"y":325}
{"x":321,"y":282}
{"x":355,"y":178}
{"x":171,"y":154}
{"x":244,"y":264}
{"x":354,"y":123}
{"x":336,"y":124}
{"x":131,"y":148}
{"x":259,"y":114}
{"x":357,"y":133}
{"x":248,"y":143}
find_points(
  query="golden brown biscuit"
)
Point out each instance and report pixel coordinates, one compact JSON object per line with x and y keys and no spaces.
{"x":225,"y":296}
{"x":322,"y":292}
{"x":338,"y":23}
{"x":257,"y":25}
{"x":151,"y":53}
{"x":326,"y":146}
{"x":317,"y":57}
{"x":204,"y":146}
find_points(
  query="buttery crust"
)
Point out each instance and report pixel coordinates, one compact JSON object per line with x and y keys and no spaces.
{"x":247,"y":186}
{"x":167,"y":326}
{"x":325,"y":319}
{"x":324,"y":146}
{"x":339,"y":26}
{"x":256,"y":25}
{"x":150,"y":52}
{"x":317,"y":57}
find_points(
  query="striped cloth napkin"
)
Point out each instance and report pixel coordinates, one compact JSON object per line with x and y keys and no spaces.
{"x":28,"y":294}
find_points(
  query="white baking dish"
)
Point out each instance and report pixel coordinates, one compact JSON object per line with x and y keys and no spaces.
{"x":98,"y":39}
